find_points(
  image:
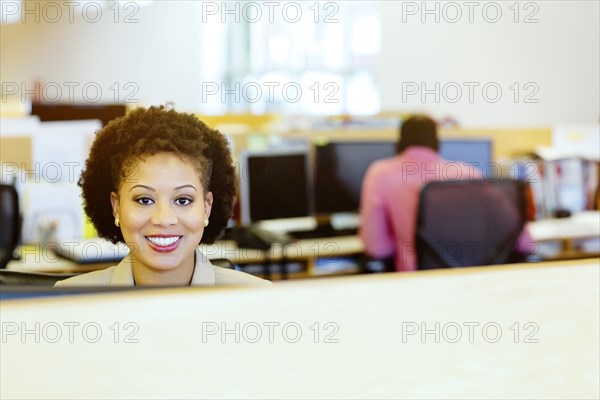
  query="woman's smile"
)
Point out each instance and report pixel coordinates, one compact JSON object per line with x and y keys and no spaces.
{"x":163,"y":244}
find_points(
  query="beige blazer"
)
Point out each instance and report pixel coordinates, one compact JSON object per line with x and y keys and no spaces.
{"x":205,"y":274}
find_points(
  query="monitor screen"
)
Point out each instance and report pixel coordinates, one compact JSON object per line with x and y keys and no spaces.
{"x":339,"y":171}
{"x":341,"y":166}
{"x":476,"y":152}
{"x":274,"y":185}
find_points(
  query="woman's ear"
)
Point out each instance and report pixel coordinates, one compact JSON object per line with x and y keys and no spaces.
{"x":208,"y":201}
{"x":114,"y":201}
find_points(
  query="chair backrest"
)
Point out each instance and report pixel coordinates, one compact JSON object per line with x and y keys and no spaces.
{"x":9,"y":223}
{"x":9,"y":277}
{"x":469,"y":223}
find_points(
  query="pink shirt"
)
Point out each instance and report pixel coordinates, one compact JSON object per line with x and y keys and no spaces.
{"x":390,"y":196}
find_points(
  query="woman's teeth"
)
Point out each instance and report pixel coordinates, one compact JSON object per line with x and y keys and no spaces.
{"x":163,"y":241}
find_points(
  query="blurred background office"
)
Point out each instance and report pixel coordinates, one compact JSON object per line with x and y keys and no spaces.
{"x":375,"y":53}
{"x":295,"y":76}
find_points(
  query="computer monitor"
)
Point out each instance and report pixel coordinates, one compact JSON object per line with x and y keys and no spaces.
{"x":339,"y":171}
{"x":340,"y":167}
{"x":68,"y":112}
{"x":274,"y":184}
{"x":476,"y":152}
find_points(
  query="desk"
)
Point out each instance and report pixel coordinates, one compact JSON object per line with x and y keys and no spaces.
{"x":541,"y":338}
{"x":583,"y":225}
{"x":307,"y":250}
{"x":566,"y":230}
{"x":42,"y":259}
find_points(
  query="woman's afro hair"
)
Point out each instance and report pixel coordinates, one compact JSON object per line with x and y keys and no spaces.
{"x":144,"y":132}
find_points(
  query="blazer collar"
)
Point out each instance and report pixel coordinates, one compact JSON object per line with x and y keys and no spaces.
{"x":204,"y":272}
{"x":123,"y":274}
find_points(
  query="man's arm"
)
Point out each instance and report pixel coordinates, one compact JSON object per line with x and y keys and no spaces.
{"x":375,"y":231}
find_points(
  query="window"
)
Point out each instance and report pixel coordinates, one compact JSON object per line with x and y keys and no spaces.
{"x":315,"y":58}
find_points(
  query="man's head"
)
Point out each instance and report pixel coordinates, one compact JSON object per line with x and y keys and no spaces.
{"x":418,"y":130}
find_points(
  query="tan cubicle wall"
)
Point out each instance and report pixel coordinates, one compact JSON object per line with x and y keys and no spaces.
{"x":16,"y":151}
{"x":507,"y":142}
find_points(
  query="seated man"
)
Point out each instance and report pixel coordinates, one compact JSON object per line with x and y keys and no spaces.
{"x":391,"y":189}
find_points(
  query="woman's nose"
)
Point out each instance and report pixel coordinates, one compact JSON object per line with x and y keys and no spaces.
{"x":163,"y":215}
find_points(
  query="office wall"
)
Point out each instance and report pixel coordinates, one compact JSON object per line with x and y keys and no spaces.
{"x":149,"y":54}
{"x":157,"y":59}
{"x":558,"y":56}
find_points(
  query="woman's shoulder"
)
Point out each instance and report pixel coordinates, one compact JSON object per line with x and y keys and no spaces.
{"x":95,"y":278}
{"x":226,"y":276}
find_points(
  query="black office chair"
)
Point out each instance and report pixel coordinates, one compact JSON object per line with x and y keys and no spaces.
{"x":8,"y":277}
{"x":10,"y":223}
{"x":469,"y":223}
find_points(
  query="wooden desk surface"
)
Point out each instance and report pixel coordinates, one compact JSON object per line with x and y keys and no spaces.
{"x":306,"y":249}
{"x":33,"y":260}
{"x":524,"y":331}
{"x":581,"y":225}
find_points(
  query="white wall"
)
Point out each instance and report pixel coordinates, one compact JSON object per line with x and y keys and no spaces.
{"x":160,"y":55}
{"x":559,"y":55}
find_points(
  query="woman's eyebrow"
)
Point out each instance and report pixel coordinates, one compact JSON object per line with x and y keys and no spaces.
{"x":154,"y":190}
{"x":185,"y":186}
{"x":143,"y":186}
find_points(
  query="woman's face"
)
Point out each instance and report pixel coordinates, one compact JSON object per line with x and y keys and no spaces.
{"x":161,"y":208}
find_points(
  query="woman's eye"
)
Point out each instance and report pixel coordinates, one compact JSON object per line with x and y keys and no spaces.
{"x":144,"y":201}
{"x":183,"y":201}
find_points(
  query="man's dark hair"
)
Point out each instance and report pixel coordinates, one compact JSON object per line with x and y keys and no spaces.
{"x":418,"y":130}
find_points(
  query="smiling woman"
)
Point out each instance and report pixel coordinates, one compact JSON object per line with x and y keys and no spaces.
{"x":162,"y":182}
